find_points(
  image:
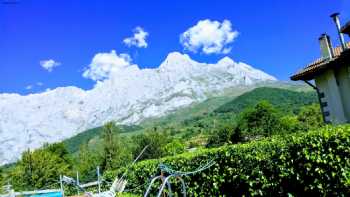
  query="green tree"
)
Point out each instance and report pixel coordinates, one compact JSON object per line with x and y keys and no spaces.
{"x":262,"y":119}
{"x":2,"y":177}
{"x":290,"y":124}
{"x":236,"y":135}
{"x":60,"y":150}
{"x":310,"y":117}
{"x":174,"y":147}
{"x":87,"y":161}
{"x":156,"y":142}
{"x":221,"y":135}
{"x":39,"y":169}
{"x":112,"y":147}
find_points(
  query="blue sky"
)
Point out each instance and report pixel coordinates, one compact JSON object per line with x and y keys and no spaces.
{"x":278,"y":37}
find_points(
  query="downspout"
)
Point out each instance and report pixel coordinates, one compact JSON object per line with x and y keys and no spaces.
{"x":319,"y":99}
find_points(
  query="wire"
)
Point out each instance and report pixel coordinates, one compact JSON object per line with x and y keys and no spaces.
{"x":171,"y":171}
{"x":137,"y":158}
{"x":141,"y":185}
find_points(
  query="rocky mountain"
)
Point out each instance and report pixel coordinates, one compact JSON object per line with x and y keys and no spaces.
{"x":128,"y":97}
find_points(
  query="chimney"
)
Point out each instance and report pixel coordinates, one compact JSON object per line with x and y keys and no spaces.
{"x":336,"y":20}
{"x":326,"y":47}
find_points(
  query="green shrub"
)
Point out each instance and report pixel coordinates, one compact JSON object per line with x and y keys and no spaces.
{"x":174,"y":147}
{"x":155,"y":140}
{"x":310,"y":117}
{"x":220,"y":136}
{"x":312,"y":163}
{"x":126,"y":195}
{"x":262,"y":119}
{"x":226,"y":134}
{"x":40,"y":168}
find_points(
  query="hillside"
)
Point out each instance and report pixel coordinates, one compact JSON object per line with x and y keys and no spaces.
{"x":74,"y":142}
{"x":215,"y":101}
{"x":287,"y":101}
{"x":220,"y":109}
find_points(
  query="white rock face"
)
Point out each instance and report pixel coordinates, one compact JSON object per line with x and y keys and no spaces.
{"x":128,"y":96}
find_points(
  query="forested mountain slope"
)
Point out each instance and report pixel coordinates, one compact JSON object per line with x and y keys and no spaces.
{"x":222,"y":108}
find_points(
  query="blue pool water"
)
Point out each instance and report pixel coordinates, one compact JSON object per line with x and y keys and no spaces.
{"x":51,"y":194}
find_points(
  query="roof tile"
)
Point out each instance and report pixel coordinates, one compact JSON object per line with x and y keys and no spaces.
{"x":318,"y":63}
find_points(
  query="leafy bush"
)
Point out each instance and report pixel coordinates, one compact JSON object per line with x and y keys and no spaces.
{"x":155,"y":140}
{"x":312,"y":163}
{"x":41,"y":168}
{"x":126,"y":195}
{"x":310,"y":117}
{"x":174,"y":147}
{"x":262,"y":119}
{"x":221,"y":136}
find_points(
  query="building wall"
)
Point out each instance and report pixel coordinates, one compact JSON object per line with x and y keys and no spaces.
{"x":331,"y":97}
{"x":343,"y":77}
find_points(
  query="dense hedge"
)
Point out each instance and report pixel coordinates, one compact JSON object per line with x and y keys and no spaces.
{"x":315,"y":163}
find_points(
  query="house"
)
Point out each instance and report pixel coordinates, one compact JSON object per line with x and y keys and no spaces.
{"x":331,"y":75}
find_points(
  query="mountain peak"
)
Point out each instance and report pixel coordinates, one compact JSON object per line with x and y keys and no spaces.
{"x":226,"y":61}
{"x":176,"y":56}
{"x":176,"y":59}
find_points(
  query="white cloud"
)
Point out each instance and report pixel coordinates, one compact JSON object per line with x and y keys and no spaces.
{"x":209,"y":37}
{"x":104,"y":64}
{"x":138,"y":40}
{"x":29,"y":87}
{"x":39,"y":83}
{"x":49,"y":65}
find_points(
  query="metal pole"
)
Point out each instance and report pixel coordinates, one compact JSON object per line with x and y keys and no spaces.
{"x":137,"y":158}
{"x":166,"y":182}
{"x":78,"y":182}
{"x":336,"y":20}
{"x":98,"y":179}
{"x":150,"y":185}
{"x":61,"y":185}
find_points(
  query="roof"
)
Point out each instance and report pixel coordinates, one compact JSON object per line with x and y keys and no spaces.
{"x":346,"y":28}
{"x":321,"y":64}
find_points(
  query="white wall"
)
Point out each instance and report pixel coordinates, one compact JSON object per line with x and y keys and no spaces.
{"x":327,"y":84}
{"x":343,"y":77}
